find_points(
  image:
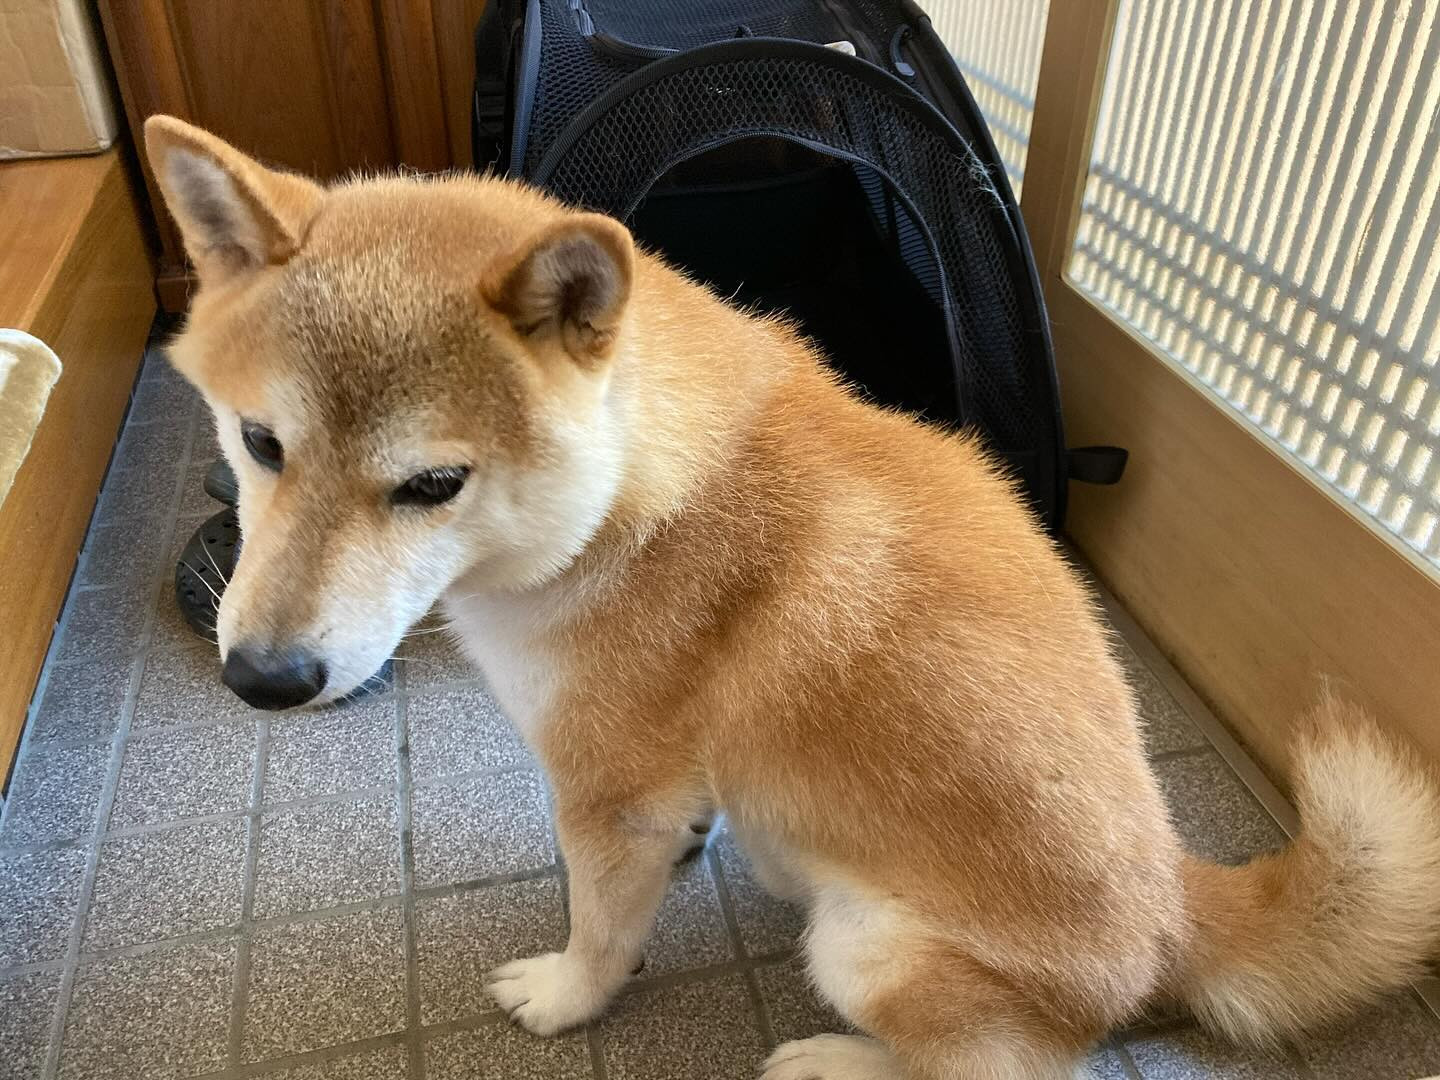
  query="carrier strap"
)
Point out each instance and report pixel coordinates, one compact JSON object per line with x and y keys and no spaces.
{"x":1096,"y":464}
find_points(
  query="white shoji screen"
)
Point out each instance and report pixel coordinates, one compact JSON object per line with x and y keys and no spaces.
{"x":1261,"y":207}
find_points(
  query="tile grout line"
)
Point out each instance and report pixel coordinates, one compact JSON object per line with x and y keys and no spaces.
{"x":403,"y":787}
{"x":233,"y":930}
{"x":1127,"y":1062}
{"x":1428,"y":990}
{"x":38,"y":967}
{"x":291,"y":918}
{"x":596,"y":1046}
{"x":319,"y":1056}
{"x":1222,"y":742}
{"x":468,"y":1022}
{"x":1216,"y":734}
{"x":147,"y":828}
{"x":75,"y":586}
{"x":594,"y":1042}
{"x":146,"y":731}
{"x":240,"y":987}
{"x":338,"y":1051}
{"x":51,"y":1067}
{"x":1291,"y":1052}
{"x":758,"y":1005}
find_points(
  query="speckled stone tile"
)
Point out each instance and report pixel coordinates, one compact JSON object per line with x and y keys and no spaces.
{"x":167,"y":775}
{"x":1106,"y":1064}
{"x":430,"y":657}
{"x":197,"y":504}
{"x":126,"y":1012}
{"x":327,"y":854}
{"x":504,"y":1052}
{"x":184,"y":687}
{"x":153,"y":364}
{"x":386,"y":1063}
{"x":689,"y":928}
{"x":694,"y":1031}
{"x":1398,"y":1039}
{"x":320,"y":983}
{"x":27,"y":1009}
{"x":170,"y":631}
{"x":140,"y":493}
{"x":82,"y":701}
{"x":767,"y":925}
{"x":1166,"y":727}
{"x":1190,"y":1054}
{"x":1213,"y":812}
{"x":163,"y":395}
{"x":105,"y":624}
{"x":56,"y":794}
{"x":796,"y":1011}
{"x":38,"y":894}
{"x":479,"y":828}
{"x":459,"y":938}
{"x":206,"y":447}
{"x":330,"y":750}
{"x":461,"y":731}
{"x":152,"y":443}
{"x":157,"y":885}
{"x":126,"y":552}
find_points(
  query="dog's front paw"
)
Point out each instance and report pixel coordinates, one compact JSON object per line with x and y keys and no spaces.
{"x":832,"y":1057}
{"x":545,"y":994}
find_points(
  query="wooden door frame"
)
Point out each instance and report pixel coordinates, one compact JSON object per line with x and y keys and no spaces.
{"x":1253,"y":580}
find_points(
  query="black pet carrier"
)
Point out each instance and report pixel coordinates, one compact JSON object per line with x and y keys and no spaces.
{"x":820,"y":157}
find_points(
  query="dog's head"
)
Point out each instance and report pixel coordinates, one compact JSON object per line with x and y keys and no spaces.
{"x":409,"y":378}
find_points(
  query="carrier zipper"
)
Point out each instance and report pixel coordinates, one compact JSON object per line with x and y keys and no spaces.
{"x":621,"y":49}
{"x":616,"y":48}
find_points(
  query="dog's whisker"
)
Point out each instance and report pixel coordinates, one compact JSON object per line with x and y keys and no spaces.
{"x":428,"y":630}
{"x":200,"y":575}
{"x":219,"y":573}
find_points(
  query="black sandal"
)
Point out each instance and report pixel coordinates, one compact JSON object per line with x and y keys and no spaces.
{"x":209,"y":558}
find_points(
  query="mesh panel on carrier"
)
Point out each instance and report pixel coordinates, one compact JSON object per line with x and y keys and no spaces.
{"x":859,"y":193}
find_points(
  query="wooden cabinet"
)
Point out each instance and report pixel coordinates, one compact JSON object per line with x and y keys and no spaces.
{"x":74,"y":272}
{"x":322,"y":86}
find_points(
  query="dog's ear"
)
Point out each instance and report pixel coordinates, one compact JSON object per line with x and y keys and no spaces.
{"x":235,"y":215}
{"x":569,"y":284}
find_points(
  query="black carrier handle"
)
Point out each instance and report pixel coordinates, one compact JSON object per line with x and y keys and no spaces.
{"x":1096,"y":464}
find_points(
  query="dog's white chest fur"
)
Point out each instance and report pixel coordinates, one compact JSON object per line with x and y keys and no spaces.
{"x":502,"y":634}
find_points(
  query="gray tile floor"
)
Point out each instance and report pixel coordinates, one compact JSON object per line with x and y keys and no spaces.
{"x":189,"y":888}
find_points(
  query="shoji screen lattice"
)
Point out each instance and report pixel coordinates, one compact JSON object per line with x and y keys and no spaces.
{"x":997,"y":45}
{"x":1261,"y":207}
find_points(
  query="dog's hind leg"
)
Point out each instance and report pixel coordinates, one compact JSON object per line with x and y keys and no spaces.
{"x":618,"y":861}
{"x":771,"y":868}
{"x":932,"y":1012}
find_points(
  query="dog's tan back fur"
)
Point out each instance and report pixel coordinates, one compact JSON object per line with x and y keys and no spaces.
{"x":698,"y":571}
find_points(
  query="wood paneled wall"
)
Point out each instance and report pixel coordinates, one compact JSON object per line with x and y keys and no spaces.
{"x":325,"y":87}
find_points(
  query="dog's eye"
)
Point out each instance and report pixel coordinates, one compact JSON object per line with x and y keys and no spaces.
{"x":431,"y":487}
{"x":264,"y":447}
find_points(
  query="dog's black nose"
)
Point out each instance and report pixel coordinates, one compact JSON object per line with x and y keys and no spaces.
{"x":270,"y":679}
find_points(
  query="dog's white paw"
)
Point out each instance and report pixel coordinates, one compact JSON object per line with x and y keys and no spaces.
{"x":832,"y":1057}
{"x":545,"y":994}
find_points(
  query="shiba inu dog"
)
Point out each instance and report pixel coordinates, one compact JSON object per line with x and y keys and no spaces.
{"x":700,"y":574}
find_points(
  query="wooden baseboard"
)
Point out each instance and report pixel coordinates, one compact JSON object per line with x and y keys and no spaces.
{"x":75,"y":272}
{"x":173,"y":288}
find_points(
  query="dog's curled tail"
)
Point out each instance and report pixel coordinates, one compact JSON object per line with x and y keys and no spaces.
{"x":1350,"y":910}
